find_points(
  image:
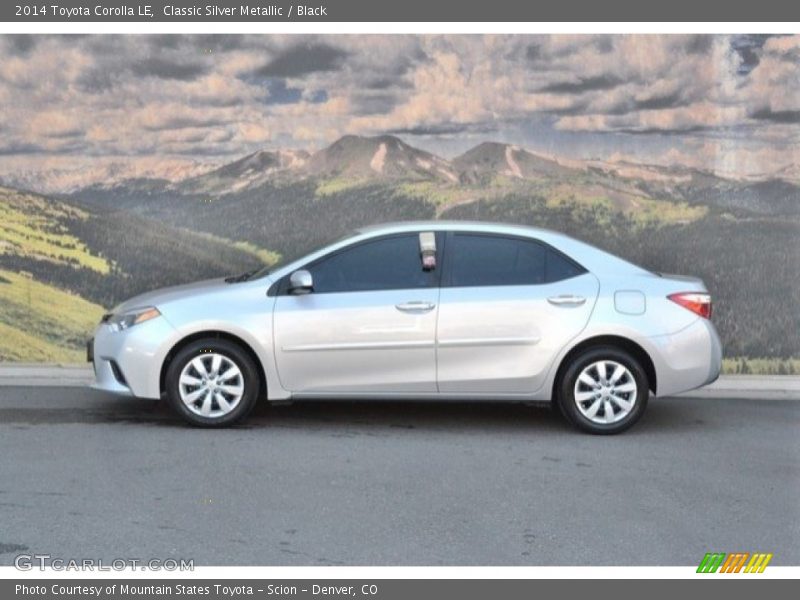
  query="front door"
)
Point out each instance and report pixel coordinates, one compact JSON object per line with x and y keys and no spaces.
{"x":368,"y":325}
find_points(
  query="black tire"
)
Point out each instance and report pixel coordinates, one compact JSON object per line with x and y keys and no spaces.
{"x":231,"y":351}
{"x":566,"y":390}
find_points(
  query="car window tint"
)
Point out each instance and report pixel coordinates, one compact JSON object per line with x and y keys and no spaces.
{"x":384,"y":264}
{"x":559,"y":267}
{"x":477,"y":260}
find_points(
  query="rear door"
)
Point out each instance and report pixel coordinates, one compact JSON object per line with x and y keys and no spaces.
{"x":369,"y":324}
{"x":507,"y":306}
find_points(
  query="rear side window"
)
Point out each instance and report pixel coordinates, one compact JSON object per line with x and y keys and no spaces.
{"x":385,"y":264}
{"x":487,"y":260}
{"x":560,"y":267}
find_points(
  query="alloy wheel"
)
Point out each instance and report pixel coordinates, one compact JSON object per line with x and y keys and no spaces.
{"x":605,"y":392}
{"x":211,"y":385}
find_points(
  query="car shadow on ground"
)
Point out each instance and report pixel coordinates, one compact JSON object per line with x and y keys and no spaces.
{"x":407,"y":415}
{"x":92,"y":406}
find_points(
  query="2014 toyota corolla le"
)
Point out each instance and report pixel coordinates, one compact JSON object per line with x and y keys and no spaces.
{"x":420,"y":310}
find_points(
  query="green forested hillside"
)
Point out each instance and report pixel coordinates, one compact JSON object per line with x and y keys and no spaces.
{"x":41,"y":323}
{"x":61,"y":265}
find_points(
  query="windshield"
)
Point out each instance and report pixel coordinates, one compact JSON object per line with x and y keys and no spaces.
{"x":290,"y":258}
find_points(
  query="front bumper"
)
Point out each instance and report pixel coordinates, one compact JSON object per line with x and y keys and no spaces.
{"x":106,"y":378}
{"x":129,"y":362}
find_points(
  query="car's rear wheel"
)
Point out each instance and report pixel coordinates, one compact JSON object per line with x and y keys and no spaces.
{"x":212,"y":383}
{"x":604,"y":390}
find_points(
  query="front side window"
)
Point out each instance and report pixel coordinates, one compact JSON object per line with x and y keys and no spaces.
{"x":384,"y":264}
{"x":488,"y":260}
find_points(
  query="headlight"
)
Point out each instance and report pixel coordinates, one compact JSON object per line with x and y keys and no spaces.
{"x":132,"y":317}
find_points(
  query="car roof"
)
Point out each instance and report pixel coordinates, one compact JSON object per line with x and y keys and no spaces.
{"x":592,"y":258}
{"x":480,"y":226}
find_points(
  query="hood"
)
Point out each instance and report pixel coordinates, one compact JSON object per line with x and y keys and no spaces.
{"x":170,"y":294}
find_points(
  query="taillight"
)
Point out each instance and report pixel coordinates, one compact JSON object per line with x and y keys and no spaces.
{"x":697,"y":302}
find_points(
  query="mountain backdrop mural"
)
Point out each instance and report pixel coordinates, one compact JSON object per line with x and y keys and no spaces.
{"x":134,"y":162}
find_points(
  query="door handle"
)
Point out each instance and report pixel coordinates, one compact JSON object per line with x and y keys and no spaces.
{"x":415,"y":306}
{"x":566,"y":300}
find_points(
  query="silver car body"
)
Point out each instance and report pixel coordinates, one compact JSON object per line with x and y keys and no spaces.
{"x":492,"y":343}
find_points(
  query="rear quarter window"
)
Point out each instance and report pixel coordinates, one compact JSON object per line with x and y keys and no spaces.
{"x":559,"y":267}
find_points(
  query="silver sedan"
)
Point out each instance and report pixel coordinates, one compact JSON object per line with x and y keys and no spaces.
{"x":420,"y":310}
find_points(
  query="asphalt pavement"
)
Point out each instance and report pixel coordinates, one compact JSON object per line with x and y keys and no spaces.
{"x":87,"y":475}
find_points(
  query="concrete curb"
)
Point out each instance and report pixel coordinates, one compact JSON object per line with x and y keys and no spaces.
{"x":45,"y":375}
{"x":761,"y":387}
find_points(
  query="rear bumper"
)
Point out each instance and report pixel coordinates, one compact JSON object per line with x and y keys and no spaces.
{"x":688,"y":359}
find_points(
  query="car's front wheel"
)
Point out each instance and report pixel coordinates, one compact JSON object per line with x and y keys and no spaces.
{"x":604,"y":390}
{"x":212,"y":383}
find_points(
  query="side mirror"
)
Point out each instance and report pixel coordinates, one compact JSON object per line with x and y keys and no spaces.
{"x":301,"y":282}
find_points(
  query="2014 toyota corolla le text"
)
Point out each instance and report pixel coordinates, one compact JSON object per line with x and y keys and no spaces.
{"x":422,"y":310}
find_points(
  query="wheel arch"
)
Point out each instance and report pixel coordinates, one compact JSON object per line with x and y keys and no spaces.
{"x":616,"y":341}
{"x":223,"y":335}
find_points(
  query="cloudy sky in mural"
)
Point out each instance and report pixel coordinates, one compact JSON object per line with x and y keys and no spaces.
{"x":730,"y":103}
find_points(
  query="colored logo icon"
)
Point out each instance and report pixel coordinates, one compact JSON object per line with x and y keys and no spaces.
{"x":735,"y":562}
